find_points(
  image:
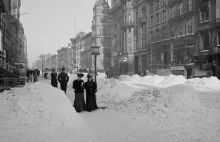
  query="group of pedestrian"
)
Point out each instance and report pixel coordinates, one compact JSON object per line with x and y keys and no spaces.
{"x":90,"y":87}
{"x":32,"y":75}
{"x":79,"y":88}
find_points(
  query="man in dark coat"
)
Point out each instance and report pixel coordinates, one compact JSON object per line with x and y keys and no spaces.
{"x":54,"y":78}
{"x":78,"y":86}
{"x":63,"y":79}
{"x":91,"y":89}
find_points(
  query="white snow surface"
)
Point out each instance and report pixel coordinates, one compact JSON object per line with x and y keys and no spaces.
{"x":151,"y":108}
{"x":37,"y":103}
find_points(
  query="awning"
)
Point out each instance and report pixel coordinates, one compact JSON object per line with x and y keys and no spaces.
{"x":123,"y":60}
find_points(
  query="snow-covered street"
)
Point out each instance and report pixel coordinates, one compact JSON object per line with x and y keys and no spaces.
{"x":151,"y":108}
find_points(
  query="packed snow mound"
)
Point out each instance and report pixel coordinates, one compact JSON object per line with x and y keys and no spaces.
{"x":159,"y":100}
{"x":205,"y":84}
{"x":38,"y":103}
{"x":156,"y":79}
{"x":113,"y":90}
{"x":180,"y":96}
{"x":172,"y":80}
{"x":124,"y":78}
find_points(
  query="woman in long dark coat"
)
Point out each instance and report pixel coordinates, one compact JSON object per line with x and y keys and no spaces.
{"x":78,"y":85}
{"x":54,"y":81}
{"x":35,"y":76}
{"x":90,"y":87}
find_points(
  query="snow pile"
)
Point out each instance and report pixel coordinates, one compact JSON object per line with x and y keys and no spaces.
{"x":112,"y":90}
{"x":172,"y":80}
{"x":205,"y":84}
{"x":38,"y":104}
{"x":124,"y":78}
{"x":154,"y":100}
{"x":154,"y":79}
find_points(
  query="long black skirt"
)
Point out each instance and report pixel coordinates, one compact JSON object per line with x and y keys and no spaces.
{"x":91,"y":103}
{"x":79,"y":102}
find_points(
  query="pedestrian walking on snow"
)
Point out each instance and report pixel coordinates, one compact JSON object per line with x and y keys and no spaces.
{"x":54,"y":81}
{"x":91,"y":89}
{"x":63,"y":79}
{"x":78,"y":86}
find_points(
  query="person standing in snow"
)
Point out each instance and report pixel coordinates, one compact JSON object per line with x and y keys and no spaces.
{"x":54,"y":78}
{"x":78,"y":86}
{"x":91,"y":88}
{"x":35,"y":76}
{"x":63,"y":79}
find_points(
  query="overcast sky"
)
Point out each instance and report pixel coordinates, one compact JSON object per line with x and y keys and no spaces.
{"x":49,"y":24}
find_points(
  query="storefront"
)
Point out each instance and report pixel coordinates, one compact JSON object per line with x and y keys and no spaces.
{"x":207,"y":63}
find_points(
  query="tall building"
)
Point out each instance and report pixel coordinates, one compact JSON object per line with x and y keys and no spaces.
{"x":76,"y":46}
{"x":116,"y":35}
{"x":207,"y":37}
{"x":86,"y":53}
{"x":101,"y":33}
{"x":54,"y":62}
{"x":65,"y":58}
{"x":15,"y":8}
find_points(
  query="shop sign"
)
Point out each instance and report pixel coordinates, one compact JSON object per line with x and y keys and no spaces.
{"x":180,"y":70}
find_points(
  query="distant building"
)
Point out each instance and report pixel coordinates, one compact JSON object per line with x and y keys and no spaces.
{"x":101,"y":33}
{"x":54,"y":62}
{"x":65,"y":58}
{"x":76,"y":46}
{"x":86,"y":53}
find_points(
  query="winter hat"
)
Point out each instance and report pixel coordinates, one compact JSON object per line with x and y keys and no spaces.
{"x":89,"y":76}
{"x":79,"y":74}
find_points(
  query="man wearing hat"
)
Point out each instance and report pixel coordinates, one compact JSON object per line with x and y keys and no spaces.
{"x":63,"y":79}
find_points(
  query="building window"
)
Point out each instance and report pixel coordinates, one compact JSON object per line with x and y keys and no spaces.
{"x":172,"y":12}
{"x":180,"y":29}
{"x":151,"y":8}
{"x":129,"y":17}
{"x":102,"y":20}
{"x":129,"y":4}
{"x":163,"y":2}
{"x":164,"y":16}
{"x":136,"y":17}
{"x":157,"y":35}
{"x":157,"y":18}
{"x":129,"y":33}
{"x":172,"y":32}
{"x":189,"y":26}
{"x":204,"y":14}
{"x":190,"y":5}
{"x":218,"y":38}
{"x":180,"y":8}
{"x":101,"y":32}
{"x":205,"y":39}
{"x":164,"y":34}
{"x":151,"y":35}
{"x":157,"y":4}
{"x":151,"y":21}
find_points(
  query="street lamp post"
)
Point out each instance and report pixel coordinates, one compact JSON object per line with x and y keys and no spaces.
{"x":95,"y":52}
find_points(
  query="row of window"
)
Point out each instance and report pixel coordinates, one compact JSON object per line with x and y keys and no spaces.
{"x":156,"y":6}
{"x":180,"y":8}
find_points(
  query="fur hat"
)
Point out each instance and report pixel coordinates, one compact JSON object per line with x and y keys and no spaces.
{"x":79,"y":74}
{"x":89,"y":76}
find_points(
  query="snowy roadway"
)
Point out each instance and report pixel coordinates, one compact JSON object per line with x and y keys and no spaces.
{"x":40,"y":113}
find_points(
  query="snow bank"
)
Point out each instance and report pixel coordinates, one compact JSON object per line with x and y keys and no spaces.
{"x":37,"y":103}
{"x":154,"y":100}
{"x":205,"y":84}
{"x":172,"y":80}
{"x":113,"y":90}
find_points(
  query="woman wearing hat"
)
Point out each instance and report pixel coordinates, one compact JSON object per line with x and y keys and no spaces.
{"x":54,"y":81}
{"x":90,"y":87}
{"x":78,"y":85}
